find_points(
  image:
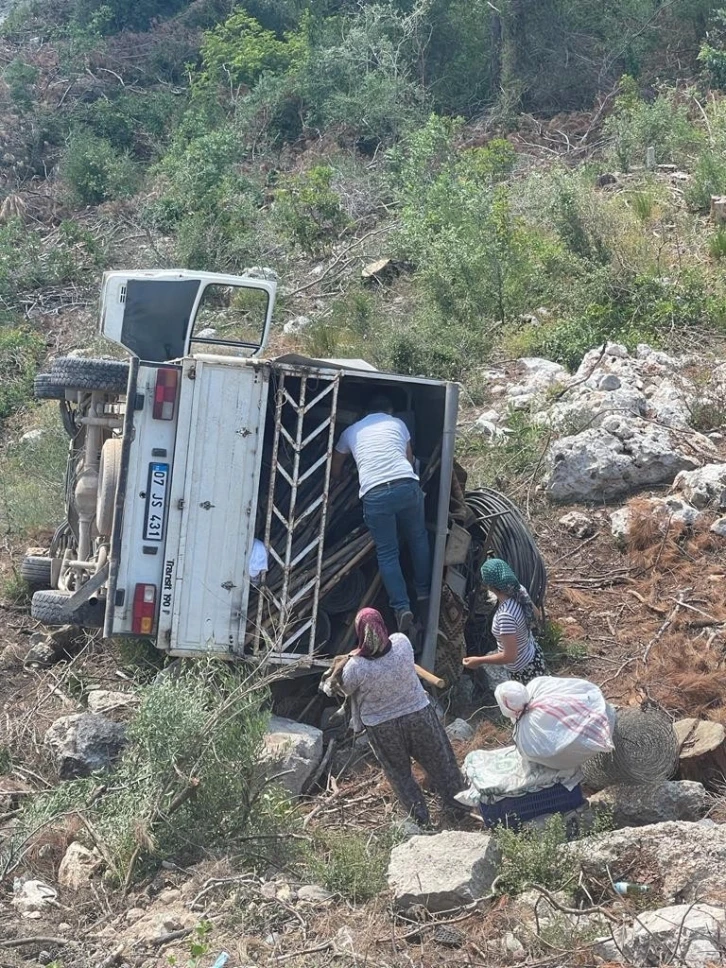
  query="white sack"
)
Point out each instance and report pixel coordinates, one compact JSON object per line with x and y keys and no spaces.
{"x":559,"y":723}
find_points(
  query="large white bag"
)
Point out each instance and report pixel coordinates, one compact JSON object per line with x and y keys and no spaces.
{"x":559,"y":723}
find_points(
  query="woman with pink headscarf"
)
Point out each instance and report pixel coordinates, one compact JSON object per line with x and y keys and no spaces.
{"x":389,"y":701}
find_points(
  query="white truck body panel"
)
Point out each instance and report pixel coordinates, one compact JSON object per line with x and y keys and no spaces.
{"x":213,"y":504}
{"x":142,"y":561}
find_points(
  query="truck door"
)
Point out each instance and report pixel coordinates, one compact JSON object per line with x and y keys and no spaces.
{"x":213,"y":505}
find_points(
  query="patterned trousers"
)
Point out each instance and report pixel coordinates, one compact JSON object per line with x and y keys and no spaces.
{"x":419,"y":736}
{"x":536,"y":667}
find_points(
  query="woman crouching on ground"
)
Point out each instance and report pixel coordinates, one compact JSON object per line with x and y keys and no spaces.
{"x":512,"y":626}
{"x":388,"y":699}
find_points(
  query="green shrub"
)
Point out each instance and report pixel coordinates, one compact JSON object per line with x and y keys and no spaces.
{"x":20,"y":352}
{"x":712,"y":54}
{"x":709,"y":178}
{"x":351,"y":863}
{"x":239,"y":51}
{"x":309,"y":209}
{"x":32,"y":475}
{"x":189,"y":779}
{"x":664,"y":124}
{"x":21,"y":78}
{"x":534,"y":856}
{"x":132,"y":121}
{"x":94,"y":171}
{"x":29,"y":259}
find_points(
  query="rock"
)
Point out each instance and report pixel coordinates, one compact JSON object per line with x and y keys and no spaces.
{"x":47,"y":648}
{"x":535,"y":376}
{"x":620,"y":522}
{"x":719,"y":527}
{"x":312,"y":894}
{"x":692,"y":936}
{"x":487,"y":423}
{"x":33,"y":436}
{"x":442,"y":871}
{"x":32,"y":898}
{"x":668,"y":404}
{"x":83,"y":743}
{"x":578,"y":524}
{"x":294,"y":750}
{"x":459,"y":730}
{"x":623,"y":455}
{"x":261,"y":272}
{"x":207,"y":333}
{"x":107,"y":703}
{"x":635,"y":806}
{"x":687,"y":860}
{"x":155,"y":925}
{"x":296,"y":325}
{"x":77,"y":867}
{"x":703,"y":486}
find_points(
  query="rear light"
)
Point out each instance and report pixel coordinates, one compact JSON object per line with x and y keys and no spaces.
{"x":144,"y":611}
{"x":167,"y":384}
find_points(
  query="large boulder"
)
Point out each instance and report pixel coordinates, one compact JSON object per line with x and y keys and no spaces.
{"x":443,"y":871}
{"x":294,"y":751}
{"x":624,"y":454}
{"x":683,"y":861}
{"x":636,"y":806}
{"x":692,"y":936}
{"x":704,"y":486}
{"x":84,"y":743}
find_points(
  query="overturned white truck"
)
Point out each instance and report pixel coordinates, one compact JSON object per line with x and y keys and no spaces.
{"x":200,"y":510}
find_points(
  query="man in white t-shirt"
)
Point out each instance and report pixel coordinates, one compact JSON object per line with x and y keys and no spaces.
{"x":393,"y":502}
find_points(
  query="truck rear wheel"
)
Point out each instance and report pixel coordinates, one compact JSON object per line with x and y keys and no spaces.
{"x":108,"y":475}
{"x":52,"y":608}
{"x":35,"y":570}
{"x":70,"y":373}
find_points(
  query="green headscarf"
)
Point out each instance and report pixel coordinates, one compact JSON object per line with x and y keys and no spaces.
{"x":498,"y":575}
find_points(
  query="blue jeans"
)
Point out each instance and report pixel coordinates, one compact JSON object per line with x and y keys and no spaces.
{"x":386,"y":510}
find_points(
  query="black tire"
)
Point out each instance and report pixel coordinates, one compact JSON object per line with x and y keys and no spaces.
{"x":108,"y":474}
{"x":35,"y":570}
{"x":70,"y":373}
{"x":52,"y":608}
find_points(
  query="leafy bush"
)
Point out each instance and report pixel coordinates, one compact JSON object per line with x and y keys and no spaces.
{"x":534,"y":856}
{"x":351,"y":863}
{"x":190,"y":777}
{"x":29,"y":259}
{"x":663,"y":124}
{"x":238,"y":52}
{"x":20,"y":78}
{"x":94,"y":171}
{"x":32,"y":475}
{"x":308,"y":208}
{"x":20,"y":352}
{"x":712,"y":54}
{"x":709,"y":178}
{"x":132,"y":121}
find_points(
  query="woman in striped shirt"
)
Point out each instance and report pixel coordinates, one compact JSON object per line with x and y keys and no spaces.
{"x":512,"y":626}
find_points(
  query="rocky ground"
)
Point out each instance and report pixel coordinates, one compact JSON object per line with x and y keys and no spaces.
{"x":626,"y":491}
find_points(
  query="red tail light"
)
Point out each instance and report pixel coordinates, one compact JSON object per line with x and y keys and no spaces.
{"x":144,"y":611}
{"x":167,"y":384}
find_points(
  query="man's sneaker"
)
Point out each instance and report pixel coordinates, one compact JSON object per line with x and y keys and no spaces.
{"x":404,"y":620}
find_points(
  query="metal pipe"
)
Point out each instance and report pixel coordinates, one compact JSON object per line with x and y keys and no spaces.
{"x":448,"y":442}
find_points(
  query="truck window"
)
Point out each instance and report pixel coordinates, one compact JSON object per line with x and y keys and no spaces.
{"x":230,"y":320}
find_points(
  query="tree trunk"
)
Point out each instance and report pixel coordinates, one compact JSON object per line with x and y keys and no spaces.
{"x":702,"y":751}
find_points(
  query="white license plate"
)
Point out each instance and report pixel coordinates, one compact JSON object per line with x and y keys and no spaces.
{"x":156,"y":494}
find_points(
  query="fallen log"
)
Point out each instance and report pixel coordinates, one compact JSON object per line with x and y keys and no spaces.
{"x":702,"y":751}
